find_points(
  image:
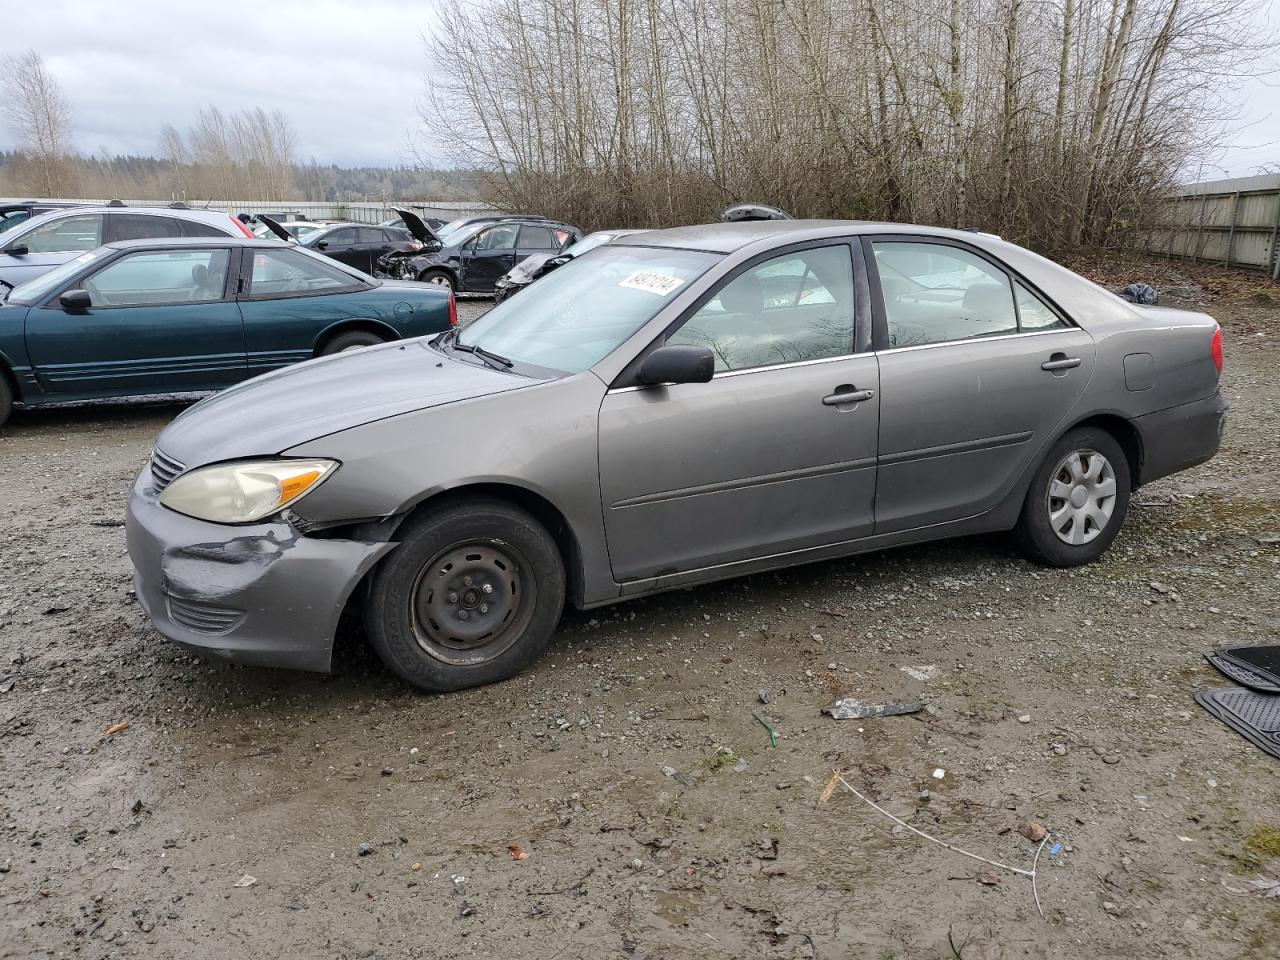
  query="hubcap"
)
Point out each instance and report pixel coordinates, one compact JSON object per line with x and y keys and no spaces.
{"x":1082,"y":496}
{"x":471,"y":602}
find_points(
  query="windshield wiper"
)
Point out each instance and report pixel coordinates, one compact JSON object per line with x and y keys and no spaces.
{"x":495,"y":360}
{"x":8,"y":287}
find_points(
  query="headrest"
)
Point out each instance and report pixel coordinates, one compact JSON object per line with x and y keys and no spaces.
{"x":988,"y":298}
{"x":199,"y":274}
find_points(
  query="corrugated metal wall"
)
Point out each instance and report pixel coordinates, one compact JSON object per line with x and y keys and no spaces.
{"x":1231,"y":222}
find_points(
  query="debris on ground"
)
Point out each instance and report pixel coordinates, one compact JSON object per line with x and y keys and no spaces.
{"x":115,"y":728}
{"x":245,"y":881}
{"x":922,"y":672}
{"x":850,"y":708}
{"x":773,"y":734}
{"x":518,"y":852}
{"x":1035,"y":832}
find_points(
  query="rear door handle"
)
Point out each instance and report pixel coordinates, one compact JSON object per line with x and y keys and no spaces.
{"x":851,"y":396}
{"x":1064,"y":363}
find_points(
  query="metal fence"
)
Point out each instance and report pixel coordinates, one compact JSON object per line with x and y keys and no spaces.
{"x":356,"y":212}
{"x":1231,"y":222}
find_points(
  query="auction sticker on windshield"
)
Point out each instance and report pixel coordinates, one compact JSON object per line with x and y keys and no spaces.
{"x":650,"y":282}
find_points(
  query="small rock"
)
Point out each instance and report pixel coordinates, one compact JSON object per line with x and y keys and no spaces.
{"x":1035,"y":832}
{"x":364,"y":849}
{"x":1025,"y":718}
{"x":387,"y":771}
{"x":1159,"y":587}
{"x":764,"y":696}
{"x":1060,"y":749}
{"x":1110,"y":907}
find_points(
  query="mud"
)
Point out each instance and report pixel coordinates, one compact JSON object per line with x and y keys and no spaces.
{"x":657,"y":820}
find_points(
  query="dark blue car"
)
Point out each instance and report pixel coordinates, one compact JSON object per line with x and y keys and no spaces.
{"x":168,"y":316}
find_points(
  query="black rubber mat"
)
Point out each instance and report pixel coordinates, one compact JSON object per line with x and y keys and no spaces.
{"x":1242,"y":675}
{"x":1255,"y":716}
{"x":1262,"y":659}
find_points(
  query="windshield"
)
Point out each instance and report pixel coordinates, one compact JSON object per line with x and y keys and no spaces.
{"x":36,"y":290}
{"x":574,"y":317}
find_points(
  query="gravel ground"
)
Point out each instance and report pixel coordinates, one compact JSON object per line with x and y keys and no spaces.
{"x":620,"y":799}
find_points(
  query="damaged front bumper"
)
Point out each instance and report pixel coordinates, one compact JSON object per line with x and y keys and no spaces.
{"x":261,"y":594}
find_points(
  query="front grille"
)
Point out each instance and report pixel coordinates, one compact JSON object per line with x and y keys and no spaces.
{"x":164,"y":469}
{"x":203,"y":617}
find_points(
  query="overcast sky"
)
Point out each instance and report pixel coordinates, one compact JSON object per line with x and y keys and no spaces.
{"x":348,"y":74}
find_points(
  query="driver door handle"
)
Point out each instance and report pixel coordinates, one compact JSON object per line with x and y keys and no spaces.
{"x":1060,"y":363}
{"x":850,"y":396}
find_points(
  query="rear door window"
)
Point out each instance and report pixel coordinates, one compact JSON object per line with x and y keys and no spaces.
{"x":140,"y":226}
{"x":372,"y":235}
{"x":194,"y":228}
{"x":534,"y":239}
{"x":937,"y":293}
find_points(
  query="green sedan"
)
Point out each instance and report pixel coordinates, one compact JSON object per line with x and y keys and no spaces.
{"x":172,"y":316}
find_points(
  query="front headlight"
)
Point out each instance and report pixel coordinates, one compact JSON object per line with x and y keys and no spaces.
{"x":246,"y":491}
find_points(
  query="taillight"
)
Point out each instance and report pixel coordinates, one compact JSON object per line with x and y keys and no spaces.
{"x":453,"y":313}
{"x":243,"y":229}
{"x":1215,"y":349}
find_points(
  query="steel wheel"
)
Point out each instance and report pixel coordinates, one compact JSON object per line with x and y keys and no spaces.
{"x":472,"y":601}
{"x":1081,"y":497}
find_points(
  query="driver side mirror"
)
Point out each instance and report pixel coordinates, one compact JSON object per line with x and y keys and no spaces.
{"x":17,"y":250}
{"x":75,"y":301}
{"x":322,"y":244}
{"x":682,"y":363}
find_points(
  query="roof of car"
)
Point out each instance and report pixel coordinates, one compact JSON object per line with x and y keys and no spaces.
{"x":728,"y":237}
{"x":181,"y":242}
{"x":219,"y":217}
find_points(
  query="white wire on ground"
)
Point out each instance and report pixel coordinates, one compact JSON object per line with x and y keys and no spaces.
{"x":954,"y":849}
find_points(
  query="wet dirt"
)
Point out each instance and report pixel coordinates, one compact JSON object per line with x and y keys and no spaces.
{"x":658,"y":820}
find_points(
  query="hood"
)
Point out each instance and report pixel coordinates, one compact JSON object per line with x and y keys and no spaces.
{"x":275,"y":228}
{"x":528,"y":268}
{"x":417,"y":227}
{"x":282,"y":409}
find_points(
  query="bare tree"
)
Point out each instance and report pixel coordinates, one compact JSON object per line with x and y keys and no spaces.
{"x":1053,"y":121}
{"x":38,"y":115}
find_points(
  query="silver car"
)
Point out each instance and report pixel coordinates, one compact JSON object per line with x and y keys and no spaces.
{"x":673,"y":408}
{"x":51,"y":239}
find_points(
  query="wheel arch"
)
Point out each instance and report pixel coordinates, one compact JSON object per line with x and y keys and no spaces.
{"x":338,"y":327}
{"x":552,"y":518}
{"x":1125,"y":434}
{"x":448,"y":268}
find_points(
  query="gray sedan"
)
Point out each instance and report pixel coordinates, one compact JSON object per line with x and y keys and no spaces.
{"x":677,"y":407}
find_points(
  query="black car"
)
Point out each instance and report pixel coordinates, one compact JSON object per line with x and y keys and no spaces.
{"x":358,"y":245}
{"x":471,"y":259}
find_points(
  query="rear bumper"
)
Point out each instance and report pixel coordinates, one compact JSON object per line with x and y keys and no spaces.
{"x":1180,"y":437}
{"x":262,"y":594}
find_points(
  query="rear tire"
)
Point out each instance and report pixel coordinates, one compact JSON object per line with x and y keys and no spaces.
{"x":1077,"y":500}
{"x":471,"y":596}
{"x":351,"y":340}
{"x":6,"y":400}
{"x":440,"y":278}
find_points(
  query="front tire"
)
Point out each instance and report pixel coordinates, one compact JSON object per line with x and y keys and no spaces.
{"x":439,"y":278}
{"x":471,"y":596}
{"x":1077,"y":500}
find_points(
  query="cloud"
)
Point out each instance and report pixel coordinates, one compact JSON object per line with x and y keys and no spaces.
{"x":348,"y":75}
